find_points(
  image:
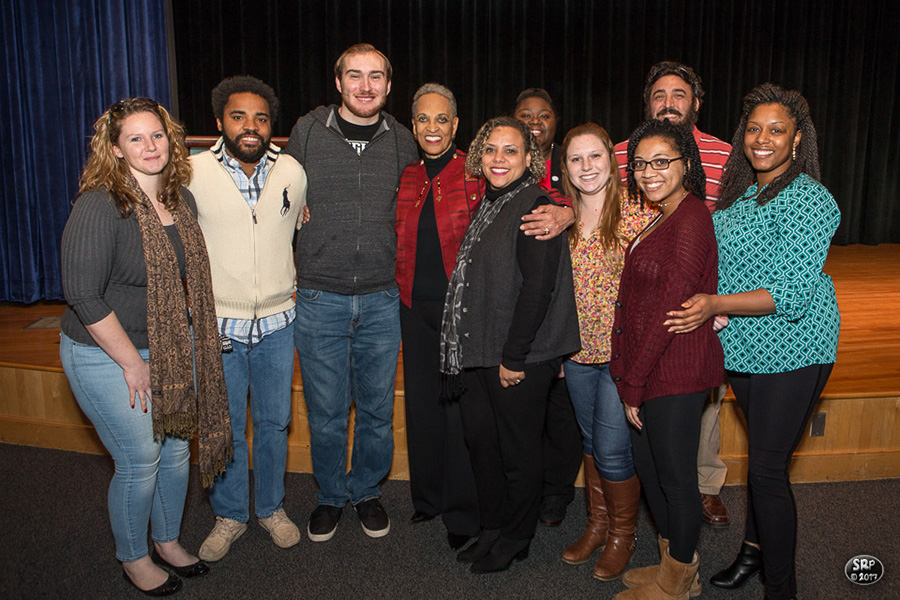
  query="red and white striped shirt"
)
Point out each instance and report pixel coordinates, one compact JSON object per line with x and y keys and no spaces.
{"x":713,"y":153}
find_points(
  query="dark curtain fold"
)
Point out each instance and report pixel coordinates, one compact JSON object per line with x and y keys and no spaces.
{"x":65,"y":61}
{"x":591,"y":56}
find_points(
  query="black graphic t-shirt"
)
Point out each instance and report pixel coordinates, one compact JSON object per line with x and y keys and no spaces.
{"x":357,"y":136}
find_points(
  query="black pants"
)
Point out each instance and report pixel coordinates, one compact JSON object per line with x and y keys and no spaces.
{"x":440,"y":472}
{"x":665,"y":458}
{"x":503,"y":428}
{"x":776,"y":407}
{"x":562,"y":443}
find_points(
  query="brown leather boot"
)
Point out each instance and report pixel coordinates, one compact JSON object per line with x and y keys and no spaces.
{"x":643,"y":575}
{"x":622,"y":499}
{"x":673,"y":581}
{"x":594,"y":536}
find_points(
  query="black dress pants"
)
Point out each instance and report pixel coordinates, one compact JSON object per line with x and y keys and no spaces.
{"x":440,"y":472}
{"x":776,"y":407}
{"x":504,"y":429}
{"x":563,"y":449}
{"x":665,"y":458}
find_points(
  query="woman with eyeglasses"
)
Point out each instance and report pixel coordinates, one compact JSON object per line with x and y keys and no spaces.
{"x":139,"y":342}
{"x":663,"y":379}
{"x":774,"y":226}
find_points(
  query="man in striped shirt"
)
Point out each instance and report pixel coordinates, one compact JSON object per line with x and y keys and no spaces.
{"x":672,"y":91}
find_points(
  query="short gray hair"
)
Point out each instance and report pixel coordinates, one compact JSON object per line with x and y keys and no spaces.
{"x":435,"y":88}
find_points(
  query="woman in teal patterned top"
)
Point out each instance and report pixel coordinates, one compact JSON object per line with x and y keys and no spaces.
{"x":774,"y":226}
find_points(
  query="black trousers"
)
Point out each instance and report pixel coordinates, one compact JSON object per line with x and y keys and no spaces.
{"x":562,"y":443}
{"x":440,"y":472}
{"x":504,"y":428}
{"x":776,"y":407}
{"x":665,"y":458}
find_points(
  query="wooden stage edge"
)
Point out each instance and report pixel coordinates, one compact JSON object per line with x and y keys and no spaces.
{"x":860,"y":406}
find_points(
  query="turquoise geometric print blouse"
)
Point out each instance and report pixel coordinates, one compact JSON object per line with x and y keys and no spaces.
{"x":781,"y":247}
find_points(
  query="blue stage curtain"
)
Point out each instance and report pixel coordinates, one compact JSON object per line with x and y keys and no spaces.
{"x":65,"y":61}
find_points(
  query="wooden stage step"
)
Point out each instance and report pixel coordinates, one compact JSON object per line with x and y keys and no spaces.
{"x":861,"y":403}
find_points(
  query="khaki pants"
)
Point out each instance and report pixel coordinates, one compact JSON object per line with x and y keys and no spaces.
{"x":711,"y":470}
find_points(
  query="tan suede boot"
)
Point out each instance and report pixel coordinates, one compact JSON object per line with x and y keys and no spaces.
{"x":622,"y":499}
{"x":673,"y":581}
{"x":594,"y":536}
{"x":644,"y":575}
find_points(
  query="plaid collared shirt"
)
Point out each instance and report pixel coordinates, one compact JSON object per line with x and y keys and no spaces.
{"x":250,"y":331}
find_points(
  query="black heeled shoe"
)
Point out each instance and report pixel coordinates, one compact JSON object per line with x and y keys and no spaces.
{"x":457,"y":540}
{"x":480,"y":547}
{"x":501,"y":556}
{"x":171,"y":585}
{"x":195,"y":570}
{"x":748,"y":563}
{"x":420,"y":517}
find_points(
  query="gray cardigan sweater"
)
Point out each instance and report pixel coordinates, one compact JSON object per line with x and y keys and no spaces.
{"x":103,"y":268}
{"x":349,"y":245}
{"x":510,"y":319}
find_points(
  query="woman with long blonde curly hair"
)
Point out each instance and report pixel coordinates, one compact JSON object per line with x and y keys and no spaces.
{"x":140,"y":323}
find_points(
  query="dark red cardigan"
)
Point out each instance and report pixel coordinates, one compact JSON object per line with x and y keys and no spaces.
{"x":454,"y":207}
{"x":677,"y":260}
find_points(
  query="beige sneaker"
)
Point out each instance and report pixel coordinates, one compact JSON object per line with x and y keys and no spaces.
{"x":219,"y":540}
{"x":283,"y":531}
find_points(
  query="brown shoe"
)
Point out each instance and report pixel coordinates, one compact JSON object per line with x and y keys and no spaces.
{"x":673,"y":581}
{"x":715,"y":513}
{"x":622,"y":499}
{"x":643,"y":575}
{"x":594,"y":536}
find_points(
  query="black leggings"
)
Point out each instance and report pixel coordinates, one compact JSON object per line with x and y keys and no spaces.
{"x":776,"y":407}
{"x":665,"y":458}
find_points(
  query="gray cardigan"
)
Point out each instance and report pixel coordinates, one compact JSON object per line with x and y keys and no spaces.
{"x":103,"y":268}
{"x":497,"y":296}
{"x":349,"y":245}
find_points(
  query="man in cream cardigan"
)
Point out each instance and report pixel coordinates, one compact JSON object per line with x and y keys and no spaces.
{"x":250,"y":200}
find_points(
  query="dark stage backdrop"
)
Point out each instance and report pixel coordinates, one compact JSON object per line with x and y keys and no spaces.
{"x":592,"y":57}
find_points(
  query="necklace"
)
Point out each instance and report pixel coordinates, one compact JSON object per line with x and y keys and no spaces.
{"x":666,"y":204}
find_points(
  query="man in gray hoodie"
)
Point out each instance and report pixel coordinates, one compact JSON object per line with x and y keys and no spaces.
{"x":347,"y":329}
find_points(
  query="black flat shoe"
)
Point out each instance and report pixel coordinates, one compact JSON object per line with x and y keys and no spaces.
{"x":748,"y":563}
{"x":457,"y":540}
{"x":195,"y":570}
{"x":421,"y":517}
{"x":172,"y":585}
{"x":480,"y":547}
{"x":501,"y":556}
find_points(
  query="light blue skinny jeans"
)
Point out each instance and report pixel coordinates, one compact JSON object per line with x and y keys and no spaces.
{"x":149,"y":486}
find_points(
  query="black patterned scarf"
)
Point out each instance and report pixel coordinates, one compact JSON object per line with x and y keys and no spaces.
{"x":451,"y":350}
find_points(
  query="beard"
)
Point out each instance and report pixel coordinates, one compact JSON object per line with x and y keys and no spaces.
{"x":244,"y":155}
{"x":680,"y":119}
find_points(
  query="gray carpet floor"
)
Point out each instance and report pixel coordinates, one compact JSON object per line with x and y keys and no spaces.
{"x":56,"y":543}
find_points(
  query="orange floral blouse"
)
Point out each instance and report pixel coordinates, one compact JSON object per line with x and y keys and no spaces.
{"x":596,"y":276}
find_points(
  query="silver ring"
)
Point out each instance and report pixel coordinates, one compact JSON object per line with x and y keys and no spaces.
{"x":518,"y":381}
{"x":546,"y":231}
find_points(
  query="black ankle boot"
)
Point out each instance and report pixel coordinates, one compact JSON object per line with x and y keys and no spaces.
{"x":748,"y":563}
{"x":480,"y":547}
{"x":501,"y":556}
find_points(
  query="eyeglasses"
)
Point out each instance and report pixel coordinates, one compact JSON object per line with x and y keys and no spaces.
{"x":658,"y":164}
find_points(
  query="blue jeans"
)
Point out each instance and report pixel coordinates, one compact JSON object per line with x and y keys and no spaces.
{"x":150,"y":482}
{"x":601,"y":417}
{"x":348,"y":348}
{"x":266,"y":369}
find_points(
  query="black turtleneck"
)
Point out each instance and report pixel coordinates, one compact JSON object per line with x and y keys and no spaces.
{"x":430,"y":279}
{"x":492,"y":194}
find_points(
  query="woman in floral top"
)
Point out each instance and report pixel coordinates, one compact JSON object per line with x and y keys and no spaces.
{"x":606,"y":220}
